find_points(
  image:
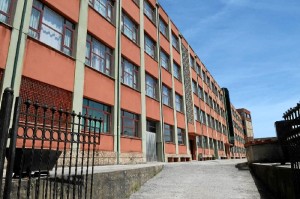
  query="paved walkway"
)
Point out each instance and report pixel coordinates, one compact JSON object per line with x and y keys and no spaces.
{"x":200,"y":180}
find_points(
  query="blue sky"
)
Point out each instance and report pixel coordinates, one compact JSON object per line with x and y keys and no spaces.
{"x":252,"y":47}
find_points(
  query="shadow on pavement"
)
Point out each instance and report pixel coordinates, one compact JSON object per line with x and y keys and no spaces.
{"x":264,"y":192}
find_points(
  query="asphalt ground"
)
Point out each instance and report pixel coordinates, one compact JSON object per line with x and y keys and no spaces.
{"x":202,"y":180}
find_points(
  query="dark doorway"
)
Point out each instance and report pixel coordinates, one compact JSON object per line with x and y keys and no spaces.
{"x":192,"y":149}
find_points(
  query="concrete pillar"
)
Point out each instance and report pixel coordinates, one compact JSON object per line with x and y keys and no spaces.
{"x":12,"y":56}
{"x":117,"y":58}
{"x":160,"y":133}
{"x":80,"y":56}
{"x":143,"y":79}
{"x":173,"y":90}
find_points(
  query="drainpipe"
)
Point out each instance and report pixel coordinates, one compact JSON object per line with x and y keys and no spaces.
{"x":12,"y":83}
{"x":118,"y":25}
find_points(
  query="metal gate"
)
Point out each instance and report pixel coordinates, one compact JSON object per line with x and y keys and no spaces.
{"x":49,"y":152}
{"x":151,"y":147}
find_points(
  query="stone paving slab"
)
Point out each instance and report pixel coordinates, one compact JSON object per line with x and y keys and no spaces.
{"x":197,"y":180}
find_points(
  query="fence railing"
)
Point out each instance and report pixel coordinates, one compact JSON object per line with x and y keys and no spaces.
{"x":50,"y":153}
{"x":288,"y":133}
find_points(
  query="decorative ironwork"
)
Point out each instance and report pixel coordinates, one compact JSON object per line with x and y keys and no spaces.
{"x":51,"y":152}
{"x":288,"y":133}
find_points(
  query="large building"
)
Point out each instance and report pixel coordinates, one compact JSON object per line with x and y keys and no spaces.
{"x":122,"y":60}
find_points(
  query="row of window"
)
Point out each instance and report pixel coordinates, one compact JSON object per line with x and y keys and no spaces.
{"x":206,"y":79}
{"x":208,"y":120}
{"x":198,"y":91}
{"x":239,"y":139}
{"x":169,"y":135}
{"x":57,"y":32}
{"x":129,"y":122}
{"x":203,"y":142}
{"x":236,"y":149}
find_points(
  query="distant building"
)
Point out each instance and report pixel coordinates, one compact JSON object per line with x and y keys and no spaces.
{"x":235,"y":128}
{"x":247,"y":123}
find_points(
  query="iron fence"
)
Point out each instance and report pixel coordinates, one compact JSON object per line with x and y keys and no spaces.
{"x":50,"y":152}
{"x":288,"y":133}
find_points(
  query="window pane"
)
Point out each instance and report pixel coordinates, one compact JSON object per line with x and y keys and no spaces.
{"x":180,"y":136}
{"x":149,"y":46}
{"x":163,"y":28}
{"x":164,"y":60}
{"x":129,"y":28}
{"x":98,"y":110}
{"x":52,"y":29}
{"x":149,"y":10}
{"x":168,"y":133}
{"x":176,"y":71}
{"x":4,"y":8}
{"x":150,"y":86}
{"x":34,"y":23}
{"x":129,"y":74}
{"x":175,"y":42}
{"x":103,"y":7}
{"x":51,"y":32}
{"x":129,"y":124}
{"x":166,"y":96}
{"x":151,"y":126}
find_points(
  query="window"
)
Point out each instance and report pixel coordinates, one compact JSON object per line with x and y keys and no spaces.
{"x":181,"y":136}
{"x":199,"y":141}
{"x":130,"y":123}
{"x":178,"y":103}
{"x":207,"y":117}
{"x":103,"y":7}
{"x":151,"y":85}
{"x":151,"y":126}
{"x":51,"y":28}
{"x":129,"y":74}
{"x":176,"y":71}
{"x":6,"y":9}
{"x":196,"y":113}
{"x":200,"y":92}
{"x":98,"y":110}
{"x":194,"y":87}
{"x":211,"y":143}
{"x":202,"y":117}
{"x":129,"y":28}
{"x":203,"y":76}
{"x":149,"y":46}
{"x":205,"y":142}
{"x":166,"y":95}
{"x":198,"y":69}
{"x":168,"y":135}
{"x":163,"y":28}
{"x":210,"y":101}
{"x":175,"y":41}
{"x":205,"y":97}
{"x":192,"y":61}
{"x":164,"y":60}
{"x":149,"y":11}
{"x":98,"y":56}
{"x":208,"y":82}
